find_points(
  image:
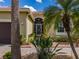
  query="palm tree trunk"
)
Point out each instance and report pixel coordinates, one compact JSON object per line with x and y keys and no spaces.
{"x":72,"y":45}
{"x":66,"y":24}
{"x":15,"y":42}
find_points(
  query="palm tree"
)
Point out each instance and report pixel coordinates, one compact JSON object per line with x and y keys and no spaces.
{"x":65,"y":11}
{"x":15,"y":34}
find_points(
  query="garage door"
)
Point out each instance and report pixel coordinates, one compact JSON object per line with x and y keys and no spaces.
{"x":5,"y":32}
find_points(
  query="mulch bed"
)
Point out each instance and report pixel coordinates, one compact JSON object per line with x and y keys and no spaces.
{"x":27,"y":46}
{"x":61,"y":45}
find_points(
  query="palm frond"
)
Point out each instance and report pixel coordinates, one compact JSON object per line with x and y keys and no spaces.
{"x":64,"y":3}
{"x":57,"y":21}
{"x":75,"y":20}
{"x":50,"y":15}
{"x":73,"y":4}
{"x":56,"y":47}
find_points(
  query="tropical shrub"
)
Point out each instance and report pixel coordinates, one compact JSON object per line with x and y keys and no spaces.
{"x":67,"y":12}
{"x":7,"y":55}
{"x":60,"y":39}
{"x":22,"y":39}
{"x":31,"y":37}
{"x":44,"y":48}
{"x":64,"y":38}
{"x":75,"y":37}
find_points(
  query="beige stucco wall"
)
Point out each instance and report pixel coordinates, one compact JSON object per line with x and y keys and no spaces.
{"x":25,"y":24}
{"x":29,"y":27}
{"x":22,"y":20}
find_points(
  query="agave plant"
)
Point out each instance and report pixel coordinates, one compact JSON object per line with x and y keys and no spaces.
{"x":44,"y":48}
{"x":65,"y":11}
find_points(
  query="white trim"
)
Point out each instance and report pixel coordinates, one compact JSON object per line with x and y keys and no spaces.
{"x":61,"y":33}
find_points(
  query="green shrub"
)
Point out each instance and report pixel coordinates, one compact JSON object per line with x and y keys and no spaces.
{"x":43,"y":47}
{"x":60,"y":39}
{"x":31,"y":37}
{"x":22,"y":39}
{"x":64,"y":38}
{"x":7,"y":55}
{"x":75,"y":38}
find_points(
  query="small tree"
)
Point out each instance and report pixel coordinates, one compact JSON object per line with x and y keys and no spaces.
{"x":67,"y":10}
{"x":43,"y":48}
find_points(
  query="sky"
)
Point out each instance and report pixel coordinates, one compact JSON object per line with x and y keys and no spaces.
{"x":33,"y":5}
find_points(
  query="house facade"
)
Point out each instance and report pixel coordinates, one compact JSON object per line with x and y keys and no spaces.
{"x":5,"y":24}
{"x":26,"y":25}
{"x":52,"y":32}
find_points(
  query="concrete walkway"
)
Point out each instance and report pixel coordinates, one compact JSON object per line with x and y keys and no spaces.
{"x":24,"y":51}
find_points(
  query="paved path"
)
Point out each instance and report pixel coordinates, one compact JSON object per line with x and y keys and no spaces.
{"x":24,"y":51}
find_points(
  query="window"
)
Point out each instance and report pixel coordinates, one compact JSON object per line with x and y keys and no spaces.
{"x":60,"y":27}
{"x":38,"y":29}
{"x":60,"y":30}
